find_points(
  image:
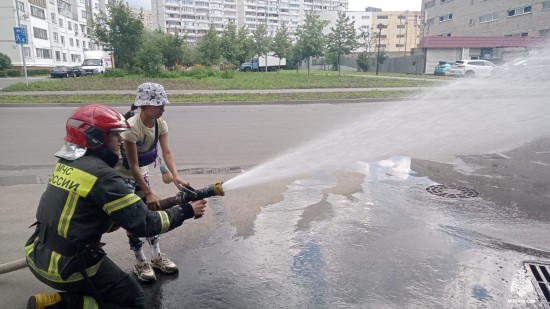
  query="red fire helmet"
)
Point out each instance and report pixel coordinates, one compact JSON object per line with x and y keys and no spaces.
{"x":89,"y":125}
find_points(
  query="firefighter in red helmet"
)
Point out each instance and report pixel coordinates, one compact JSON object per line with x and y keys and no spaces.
{"x":84,"y":199}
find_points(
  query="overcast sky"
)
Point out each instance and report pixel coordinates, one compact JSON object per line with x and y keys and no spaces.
{"x":354,"y":5}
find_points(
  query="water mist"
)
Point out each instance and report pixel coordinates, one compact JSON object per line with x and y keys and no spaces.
{"x":466,"y":116}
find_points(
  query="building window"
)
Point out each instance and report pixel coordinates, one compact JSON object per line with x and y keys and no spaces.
{"x":60,"y":22}
{"x":43,"y":53}
{"x":40,"y":33}
{"x":69,"y":25}
{"x":382,"y":17}
{"x":71,"y":42}
{"x":38,"y":12}
{"x":429,"y":4}
{"x":400,"y":26}
{"x":64,"y":57}
{"x":55,"y":37}
{"x":54,"y":18}
{"x":27,"y":52}
{"x":41,"y":3}
{"x":399,"y":45}
{"x":77,"y":43}
{"x":544,"y":33}
{"x":443,"y":1}
{"x":83,"y":13}
{"x":488,"y":17}
{"x":57,"y":55}
{"x":519,"y":11}
{"x":445,"y":17}
{"x":63,"y":40}
{"x":21,"y":7}
{"x":546,"y":5}
{"x":75,"y":58}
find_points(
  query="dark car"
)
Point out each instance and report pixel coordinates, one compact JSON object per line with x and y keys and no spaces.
{"x":61,"y":71}
{"x":67,"y":71}
{"x":77,"y":71}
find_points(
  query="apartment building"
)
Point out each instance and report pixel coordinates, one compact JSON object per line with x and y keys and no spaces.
{"x":400,"y":31}
{"x":363,"y":25}
{"x":194,"y":17}
{"x":57,"y":31}
{"x":146,"y":17}
{"x":486,"y":18}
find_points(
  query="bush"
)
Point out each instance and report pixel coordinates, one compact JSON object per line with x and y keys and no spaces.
{"x":13,"y":73}
{"x":115,"y":73}
{"x":363,"y":63}
{"x":3,"y":74}
{"x":38,"y":72}
{"x":5,"y":62}
{"x":197,"y":72}
{"x":227,"y":74}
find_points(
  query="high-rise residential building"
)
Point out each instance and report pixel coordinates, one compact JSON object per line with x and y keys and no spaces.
{"x":400,"y":31}
{"x":486,"y":18}
{"x":194,"y":17}
{"x":145,"y":17}
{"x":362,"y":22}
{"x":57,"y":30}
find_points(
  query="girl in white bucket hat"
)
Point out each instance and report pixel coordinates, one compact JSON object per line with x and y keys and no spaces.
{"x":139,"y":151}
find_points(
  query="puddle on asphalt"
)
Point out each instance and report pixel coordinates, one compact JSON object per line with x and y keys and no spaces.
{"x":387,"y":245}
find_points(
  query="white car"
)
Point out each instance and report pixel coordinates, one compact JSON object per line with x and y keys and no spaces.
{"x":471,"y":68}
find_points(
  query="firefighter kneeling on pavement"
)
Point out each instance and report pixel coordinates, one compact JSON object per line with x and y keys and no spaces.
{"x":84,"y":199}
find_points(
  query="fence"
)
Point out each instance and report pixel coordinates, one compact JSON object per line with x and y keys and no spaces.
{"x":407,"y":64}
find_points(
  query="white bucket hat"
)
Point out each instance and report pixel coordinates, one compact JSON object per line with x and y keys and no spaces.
{"x":151,"y":94}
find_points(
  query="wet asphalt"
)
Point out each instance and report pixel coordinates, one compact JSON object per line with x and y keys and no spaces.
{"x":398,"y":233}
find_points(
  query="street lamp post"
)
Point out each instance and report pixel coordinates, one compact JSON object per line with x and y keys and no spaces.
{"x":380,"y":27}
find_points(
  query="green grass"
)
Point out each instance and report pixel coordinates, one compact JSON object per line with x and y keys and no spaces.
{"x":245,"y":81}
{"x":202,"y":98}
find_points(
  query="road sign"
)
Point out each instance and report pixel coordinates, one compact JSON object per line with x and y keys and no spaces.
{"x":20,"y":35}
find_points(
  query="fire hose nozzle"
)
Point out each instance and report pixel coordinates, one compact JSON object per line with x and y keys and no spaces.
{"x":189,"y":194}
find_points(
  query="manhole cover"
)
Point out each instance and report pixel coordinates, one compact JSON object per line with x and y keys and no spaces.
{"x":541,"y":273}
{"x":451,"y":191}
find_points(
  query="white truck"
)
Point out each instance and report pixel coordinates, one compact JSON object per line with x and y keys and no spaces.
{"x":259,"y":63}
{"x":97,"y":61}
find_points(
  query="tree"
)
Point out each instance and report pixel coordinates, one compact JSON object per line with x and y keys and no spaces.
{"x":245,"y":45}
{"x":5,"y":62}
{"x":209,"y":47}
{"x":295,"y":57}
{"x":230,"y":45}
{"x":174,"y":49}
{"x":363,"y":62}
{"x":282,"y":43}
{"x":261,"y":41}
{"x":120,"y":31}
{"x":342,"y":38}
{"x":150,"y":56}
{"x":310,"y":37}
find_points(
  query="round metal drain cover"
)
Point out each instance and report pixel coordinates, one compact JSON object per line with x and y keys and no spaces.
{"x":451,"y":191}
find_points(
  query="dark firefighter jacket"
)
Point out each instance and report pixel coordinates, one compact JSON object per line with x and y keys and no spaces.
{"x":83,"y":200}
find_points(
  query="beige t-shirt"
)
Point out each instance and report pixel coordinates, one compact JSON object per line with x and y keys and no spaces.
{"x":143,"y":137}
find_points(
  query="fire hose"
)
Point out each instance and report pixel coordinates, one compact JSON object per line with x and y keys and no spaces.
{"x":186,"y":195}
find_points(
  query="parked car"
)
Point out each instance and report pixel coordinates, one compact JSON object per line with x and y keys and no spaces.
{"x":471,"y":68}
{"x":60,"y":71}
{"x":77,"y":71}
{"x":442,"y":68}
{"x":67,"y":71}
